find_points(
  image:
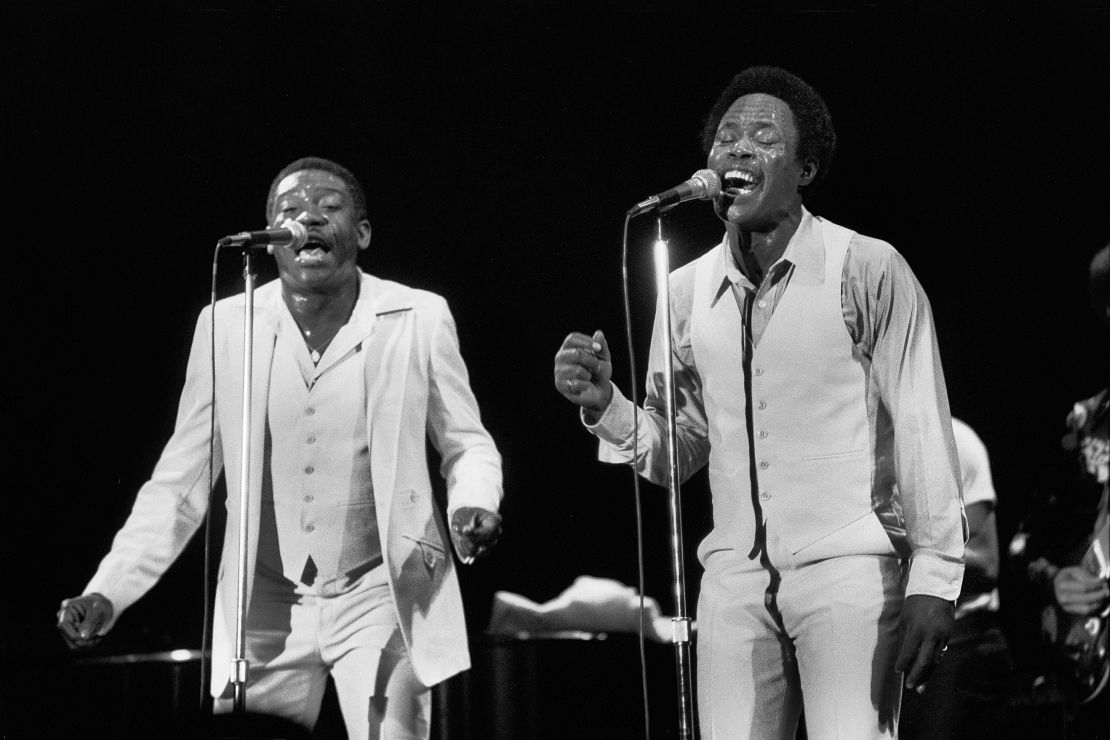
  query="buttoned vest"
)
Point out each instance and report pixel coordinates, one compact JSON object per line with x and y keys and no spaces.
{"x":812,"y":465}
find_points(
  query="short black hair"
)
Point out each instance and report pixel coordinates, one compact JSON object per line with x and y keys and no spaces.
{"x":816,"y":137}
{"x":319,"y":163}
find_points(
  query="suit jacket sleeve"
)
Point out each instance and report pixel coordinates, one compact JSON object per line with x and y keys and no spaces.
{"x":470,"y":463}
{"x":171,"y":506}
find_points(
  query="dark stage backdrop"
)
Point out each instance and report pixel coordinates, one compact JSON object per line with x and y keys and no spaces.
{"x":499,"y":150}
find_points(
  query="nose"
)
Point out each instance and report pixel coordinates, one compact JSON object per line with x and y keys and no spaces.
{"x":742,"y":148}
{"x":311,"y":215}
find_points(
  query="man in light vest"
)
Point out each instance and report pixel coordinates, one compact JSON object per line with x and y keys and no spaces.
{"x":808,"y":379}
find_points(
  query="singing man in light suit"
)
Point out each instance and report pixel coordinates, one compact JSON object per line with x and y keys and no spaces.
{"x":349,"y":571}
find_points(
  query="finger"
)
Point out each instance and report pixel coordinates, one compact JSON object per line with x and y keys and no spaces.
{"x":602,"y":345}
{"x":481,"y":544}
{"x":99,"y":617}
{"x":922,"y":664}
{"x":74,"y":632}
{"x":89,"y":625}
{"x":1078,"y":610}
{"x":463,"y":521}
{"x":575,"y":387}
{"x":567,"y":372}
{"x":67,"y":625}
{"x":1094,"y":586}
{"x":1080,"y":585}
{"x":578,"y":340}
{"x":572,"y":369}
{"x":581,"y":357}
{"x":907,"y":653}
{"x":1069,"y":598}
{"x":487,"y":527}
{"x":466,"y":549}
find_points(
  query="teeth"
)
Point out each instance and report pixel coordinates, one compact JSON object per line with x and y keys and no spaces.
{"x":746,"y":177}
{"x":311,"y":254}
{"x":739,"y":180}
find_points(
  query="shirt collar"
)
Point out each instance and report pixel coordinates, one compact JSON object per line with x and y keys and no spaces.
{"x":806,"y":251}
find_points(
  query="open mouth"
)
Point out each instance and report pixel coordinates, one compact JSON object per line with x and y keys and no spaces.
{"x":739,"y":182}
{"x":313,"y":250}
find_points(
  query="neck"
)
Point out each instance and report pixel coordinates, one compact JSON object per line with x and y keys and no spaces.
{"x":314,"y":310}
{"x":756,"y":250}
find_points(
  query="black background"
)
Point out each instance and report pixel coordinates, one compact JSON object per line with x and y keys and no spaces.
{"x":499,"y":146}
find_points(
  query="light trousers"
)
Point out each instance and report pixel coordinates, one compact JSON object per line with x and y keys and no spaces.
{"x":825,"y":634}
{"x":294,"y":640}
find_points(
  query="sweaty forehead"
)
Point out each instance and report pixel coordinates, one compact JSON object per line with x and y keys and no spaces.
{"x":303,"y":182}
{"x":758,"y":108}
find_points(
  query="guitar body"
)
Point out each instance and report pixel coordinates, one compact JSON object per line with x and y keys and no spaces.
{"x":1080,"y":645}
{"x":1080,"y":641}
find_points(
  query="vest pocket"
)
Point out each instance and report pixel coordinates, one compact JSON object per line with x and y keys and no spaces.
{"x":862,"y":536}
{"x":834,"y":456}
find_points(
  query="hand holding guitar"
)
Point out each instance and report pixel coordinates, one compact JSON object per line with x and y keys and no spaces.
{"x":1079,"y":592}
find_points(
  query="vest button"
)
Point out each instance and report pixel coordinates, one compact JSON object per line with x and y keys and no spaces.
{"x":309,"y":528}
{"x":759,"y":371}
{"x":308,"y":498}
{"x":763,"y":434}
{"x":761,"y":405}
{"x":763,"y":464}
{"x":763,"y":495}
{"x":309,"y":470}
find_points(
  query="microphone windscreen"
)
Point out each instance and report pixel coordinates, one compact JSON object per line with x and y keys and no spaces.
{"x":711,"y":184}
{"x":300,"y":233}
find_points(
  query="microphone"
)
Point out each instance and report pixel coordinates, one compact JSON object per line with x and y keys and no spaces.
{"x":292,"y":233}
{"x":702,"y":185}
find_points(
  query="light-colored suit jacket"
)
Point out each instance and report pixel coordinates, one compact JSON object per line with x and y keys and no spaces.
{"x":416,"y":388}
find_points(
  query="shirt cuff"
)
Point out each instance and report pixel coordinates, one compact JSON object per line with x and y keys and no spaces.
{"x":934,"y":575}
{"x":488,"y":499}
{"x":614,"y":426}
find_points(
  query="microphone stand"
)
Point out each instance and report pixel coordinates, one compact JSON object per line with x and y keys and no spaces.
{"x":240,"y":664}
{"x":680,"y":623}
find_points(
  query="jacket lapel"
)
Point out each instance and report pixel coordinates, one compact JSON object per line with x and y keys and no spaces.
{"x":388,"y":355}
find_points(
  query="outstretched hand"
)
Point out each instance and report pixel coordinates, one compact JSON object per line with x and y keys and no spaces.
{"x":926,"y":626}
{"x":476,"y":531}
{"x":81,"y":619}
{"x":583,"y":371}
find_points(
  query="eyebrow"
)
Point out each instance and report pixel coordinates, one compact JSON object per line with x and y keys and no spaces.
{"x":326,"y":191}
{"x":735,"y":119}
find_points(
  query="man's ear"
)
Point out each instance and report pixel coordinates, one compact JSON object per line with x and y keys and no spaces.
{"x":809,"y":172}
{"x":363,"y":234}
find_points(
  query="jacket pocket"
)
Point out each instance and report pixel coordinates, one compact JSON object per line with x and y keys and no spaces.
{"x":432,"y":553}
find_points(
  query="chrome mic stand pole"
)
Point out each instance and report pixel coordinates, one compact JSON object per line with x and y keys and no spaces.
{"x":240,"y":664}
{"x":680,"y":623}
